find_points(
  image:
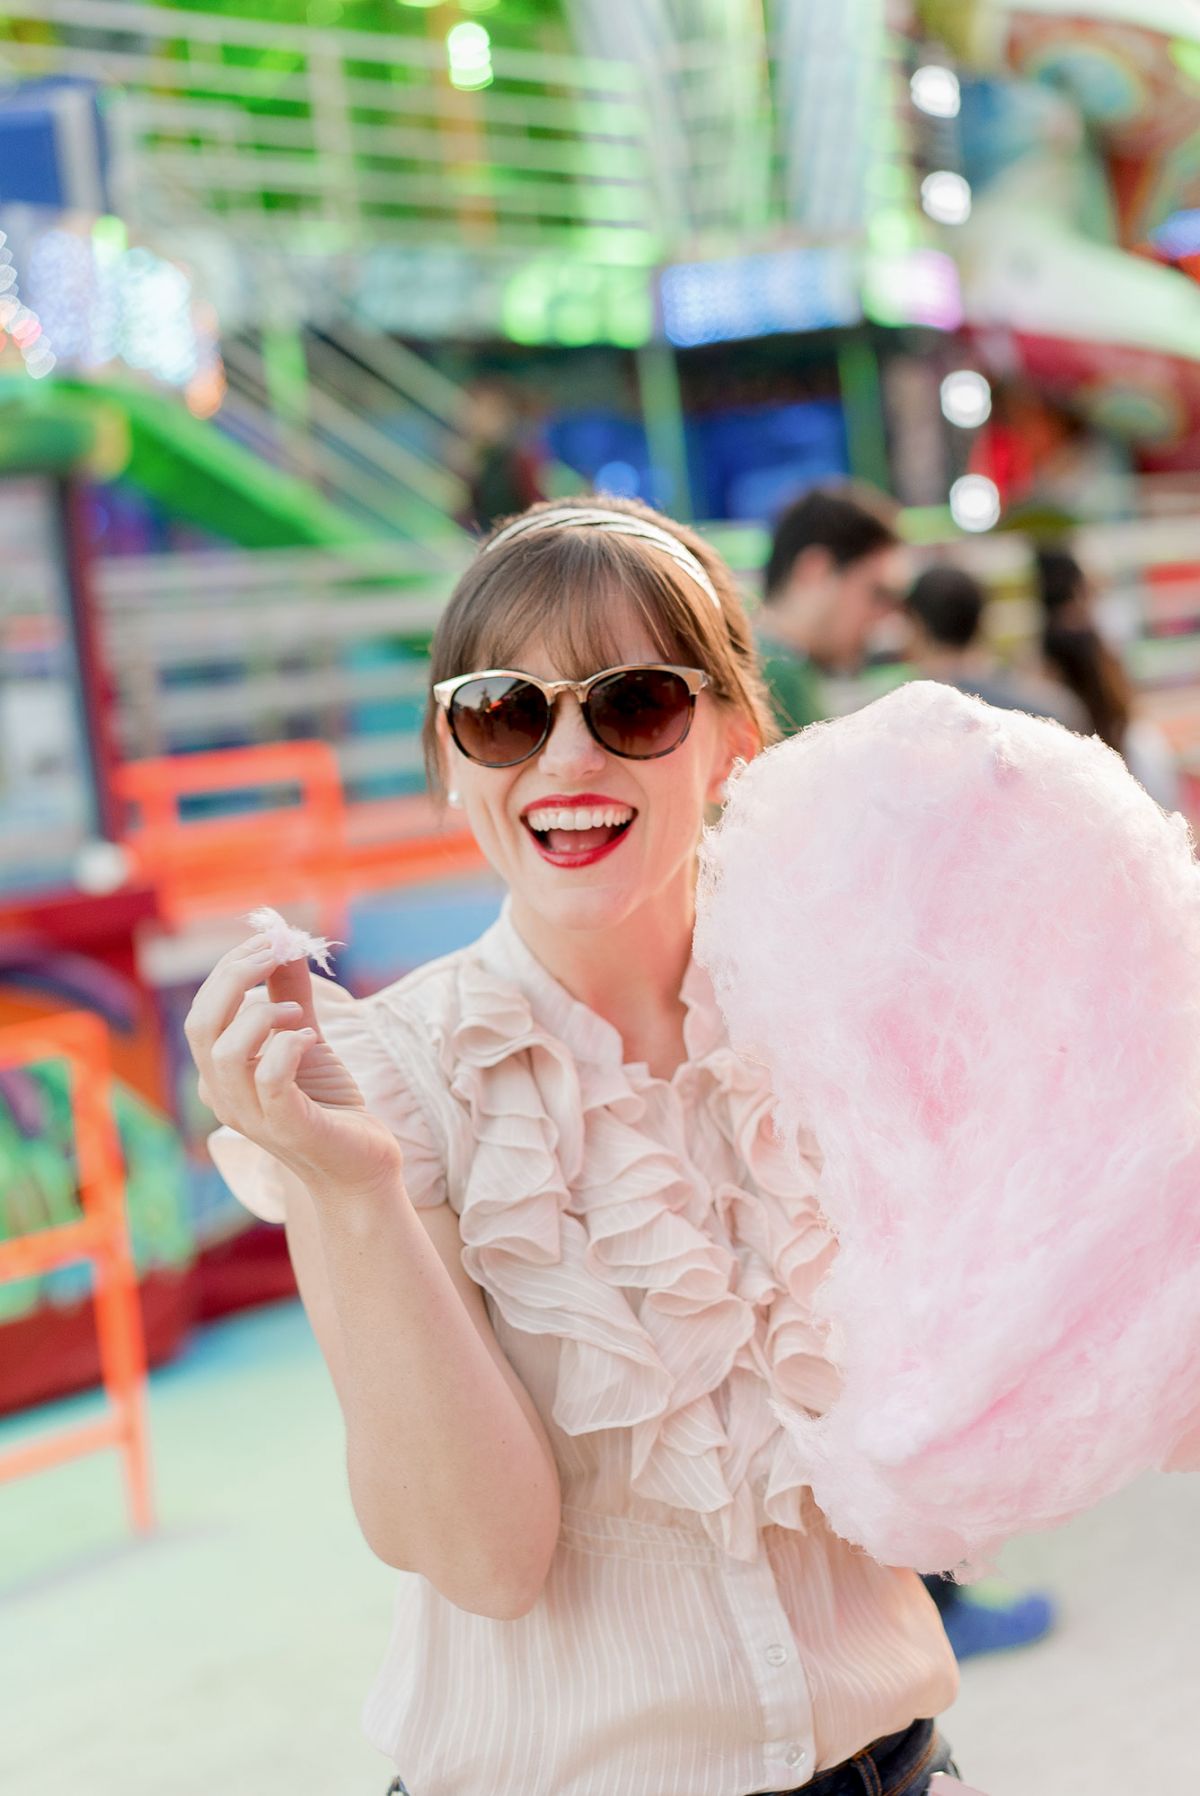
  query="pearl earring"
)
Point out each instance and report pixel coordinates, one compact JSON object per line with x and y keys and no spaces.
{"x":454,"y":801}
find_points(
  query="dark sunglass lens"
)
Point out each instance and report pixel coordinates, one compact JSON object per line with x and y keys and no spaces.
{"x":499,"y":721}
{"x":640,"y":714}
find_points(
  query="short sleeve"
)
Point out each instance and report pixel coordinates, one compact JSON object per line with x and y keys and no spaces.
{"x":383,"y":1057}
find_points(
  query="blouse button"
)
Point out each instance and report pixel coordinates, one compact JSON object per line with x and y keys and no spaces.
{"x":777,"y":1655}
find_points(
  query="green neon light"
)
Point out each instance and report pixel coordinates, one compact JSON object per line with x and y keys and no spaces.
{"x":578,"y":302}
{"x":1185,"y":54}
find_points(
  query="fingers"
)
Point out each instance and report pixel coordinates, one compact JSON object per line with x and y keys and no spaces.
{"x":245,"y":1037}
{"x":293,"y":982}
{"x":275,"y":1074}
{"x":220,"y":997}
{"x":228,"y":1068}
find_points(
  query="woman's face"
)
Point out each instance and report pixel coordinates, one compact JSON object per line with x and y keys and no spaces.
{"x":639,"y":850}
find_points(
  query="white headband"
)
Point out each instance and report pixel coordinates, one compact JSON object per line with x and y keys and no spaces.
{"x":621,"y":523}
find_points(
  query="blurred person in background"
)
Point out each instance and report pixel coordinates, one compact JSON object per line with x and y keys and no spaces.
{"x":947,"y":642}
{"x":1089,"y":668}
{"x":836,"y":570}
{"x":503,"y":469}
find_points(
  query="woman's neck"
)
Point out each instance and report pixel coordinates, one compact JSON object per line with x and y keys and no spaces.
{"x":630,"y":974}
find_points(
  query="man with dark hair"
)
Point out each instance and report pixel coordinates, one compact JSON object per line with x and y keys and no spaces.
{"x":945,"y":610}
{"x":836,"y":568}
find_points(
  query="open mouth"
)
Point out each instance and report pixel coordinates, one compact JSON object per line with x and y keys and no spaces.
{"x":575,"y":836}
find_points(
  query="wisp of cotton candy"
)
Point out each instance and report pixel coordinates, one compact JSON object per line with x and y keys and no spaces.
{"x":288,"y":943}
{"x":966,"y":946}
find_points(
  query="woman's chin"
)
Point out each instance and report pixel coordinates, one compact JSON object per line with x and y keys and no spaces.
{"x":585,"y":906}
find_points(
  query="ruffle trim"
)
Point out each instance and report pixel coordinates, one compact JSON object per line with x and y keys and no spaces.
{"x":682,"y":1311}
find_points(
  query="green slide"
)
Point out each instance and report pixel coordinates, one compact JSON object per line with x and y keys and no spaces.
{"x":189,"y":467}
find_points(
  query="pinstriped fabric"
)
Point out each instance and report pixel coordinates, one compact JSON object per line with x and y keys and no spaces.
{"x":648,"y":1262}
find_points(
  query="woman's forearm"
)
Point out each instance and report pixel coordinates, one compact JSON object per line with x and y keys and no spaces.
{"x":450,"y":1470}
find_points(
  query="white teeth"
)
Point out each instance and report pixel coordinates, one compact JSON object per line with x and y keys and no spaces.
{"x":581,"y":818}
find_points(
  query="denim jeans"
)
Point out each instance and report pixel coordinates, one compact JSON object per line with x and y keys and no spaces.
{"x":901,"y":1765}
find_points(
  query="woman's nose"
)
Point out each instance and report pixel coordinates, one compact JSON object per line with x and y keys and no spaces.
{"x":570,"y":747}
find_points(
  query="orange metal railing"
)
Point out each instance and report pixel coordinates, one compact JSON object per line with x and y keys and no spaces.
{"x":204,"y":865}
{"x":101,"y":1237}
{"x":314,"y":850}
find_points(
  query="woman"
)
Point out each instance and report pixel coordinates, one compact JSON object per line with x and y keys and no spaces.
{"x":1077,"y":655}
{"x":553,"y":1255}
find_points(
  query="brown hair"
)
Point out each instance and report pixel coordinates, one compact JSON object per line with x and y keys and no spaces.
{"x":560,"y":584}
{"x":1077,"y":652}
{"x":849,"y":522}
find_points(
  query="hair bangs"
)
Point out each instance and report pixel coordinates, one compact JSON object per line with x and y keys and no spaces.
{"x":574,"y":595}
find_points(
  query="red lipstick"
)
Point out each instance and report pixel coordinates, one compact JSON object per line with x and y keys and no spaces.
{"x":565,"y":800}
{"x":587,"y":855}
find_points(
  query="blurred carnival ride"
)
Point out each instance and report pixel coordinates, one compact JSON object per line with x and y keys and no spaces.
{"x":1078,"y":131}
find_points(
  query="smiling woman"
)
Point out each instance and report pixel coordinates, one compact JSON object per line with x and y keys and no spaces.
{"x":557,"y":1264}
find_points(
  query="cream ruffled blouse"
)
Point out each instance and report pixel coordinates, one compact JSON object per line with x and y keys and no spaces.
{"x":649,"y":1261}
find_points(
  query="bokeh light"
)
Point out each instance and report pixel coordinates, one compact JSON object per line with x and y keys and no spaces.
{"x":946,"y":197}
{"x":935,"y":90}
{"x":975,"y":503}
{"x":966,"y":398}
{"x":469,"y":53}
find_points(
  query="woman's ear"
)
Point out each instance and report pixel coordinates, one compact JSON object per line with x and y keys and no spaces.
{"x":739,"y":742}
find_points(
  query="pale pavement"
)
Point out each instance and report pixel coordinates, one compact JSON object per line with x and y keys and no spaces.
{"x":229,"y":1656}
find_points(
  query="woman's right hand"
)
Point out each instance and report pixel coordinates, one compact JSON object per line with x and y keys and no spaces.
{"x":266,"y":1071}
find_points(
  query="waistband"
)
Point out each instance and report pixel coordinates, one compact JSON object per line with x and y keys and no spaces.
{"x":883,"y":1767}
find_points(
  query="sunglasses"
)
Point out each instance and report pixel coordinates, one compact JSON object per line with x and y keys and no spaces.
{"x":500,"y":718}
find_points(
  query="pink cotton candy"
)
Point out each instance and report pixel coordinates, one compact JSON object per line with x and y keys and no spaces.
{"x":966,"y":945}
{"x":288,"y":944}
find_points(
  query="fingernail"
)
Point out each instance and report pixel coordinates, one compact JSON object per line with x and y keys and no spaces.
{"x":307,"y":1034}
{"x":292,"y":1009}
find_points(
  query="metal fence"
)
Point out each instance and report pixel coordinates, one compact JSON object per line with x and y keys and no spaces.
{"x":321,"y":141}
{"x":328,"y":139}
{"x":220,"y":650}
